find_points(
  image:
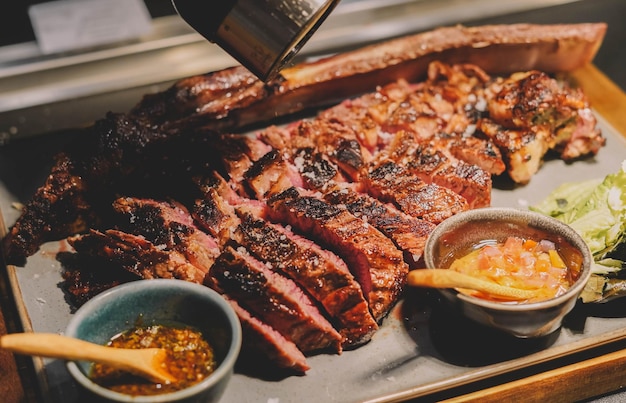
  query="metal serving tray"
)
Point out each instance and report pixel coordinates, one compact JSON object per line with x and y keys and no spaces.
{"x":422,"y":347}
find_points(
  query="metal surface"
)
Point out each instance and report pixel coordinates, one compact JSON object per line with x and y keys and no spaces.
{"x":40,"y":94}
{"x":262,"y":35}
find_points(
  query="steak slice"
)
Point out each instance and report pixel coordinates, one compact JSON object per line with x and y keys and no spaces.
{"x":338,"y":142}
{"x":366,"y":114}
{"x":170,"y":226}
{"x":473,"y":150}
{"x":271,"y":174}
{"x":431,"y":161}
{"x":373,"y":259}
{"x":212,"y":212}
{"x":408,"y":233}
{"x":136,"y":255}
{"x":316,"y":170}
{"x":275,"y":299}
{"x":56,"y":210}
{"x":237,"y":153}
{"x":261,"y":340}
{"x":320,"y":273}
{"x":522,"y":149}
{"x":392,"y":183}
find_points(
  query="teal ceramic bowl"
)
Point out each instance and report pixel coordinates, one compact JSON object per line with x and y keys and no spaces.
{"x":460,"y":233}
{"x":159,"y":301}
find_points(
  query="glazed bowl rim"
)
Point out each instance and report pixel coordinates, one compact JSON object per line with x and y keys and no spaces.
{"x":497,"y":213}
{"x":222,"y":370}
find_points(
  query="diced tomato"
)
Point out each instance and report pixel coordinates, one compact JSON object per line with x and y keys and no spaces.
{"x":530,"y":244}
{"x":521,"y":263}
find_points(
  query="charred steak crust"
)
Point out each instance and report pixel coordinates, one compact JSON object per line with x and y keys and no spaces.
{"x":320,"y":273}
{"x":233,"y":98}
{"x":275,"y":299}
{"x":375,"y":261}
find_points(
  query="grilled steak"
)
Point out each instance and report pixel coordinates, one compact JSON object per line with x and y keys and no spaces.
{"x":408,"y":233}
{"x":319,"y":272}
{"x":272,"y":174}
{"x":233,"y":98}
{"x":168,"y":225}
{"x":530,"y":114}
{"x":275,"y":299}
{"x":374,"y":260}
{"x":261,"y":340}
{"x":137,"y":255}
{"x":392,"y":183}
{"x":432,"y":161}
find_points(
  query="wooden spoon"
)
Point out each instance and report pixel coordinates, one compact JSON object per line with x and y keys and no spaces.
{"x":147,"y":362}
{"x":444,"y":278}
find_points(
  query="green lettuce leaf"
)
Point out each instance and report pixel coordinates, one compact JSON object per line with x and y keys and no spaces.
{"x":567,"y":198}
{"x":596,"y":209}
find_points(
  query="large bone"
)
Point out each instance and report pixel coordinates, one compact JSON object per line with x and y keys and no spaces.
{"x":233,"y":98}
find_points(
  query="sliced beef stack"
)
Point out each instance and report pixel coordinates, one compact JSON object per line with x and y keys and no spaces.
{"x":308,"y":229}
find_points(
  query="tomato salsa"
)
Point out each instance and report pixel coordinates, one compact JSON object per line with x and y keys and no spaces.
{"x":190,"y":359}
{"x":519,"y":263}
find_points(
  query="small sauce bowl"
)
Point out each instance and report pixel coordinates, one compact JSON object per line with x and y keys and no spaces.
{"x":164,"y":302}
{"x":463,"y":232}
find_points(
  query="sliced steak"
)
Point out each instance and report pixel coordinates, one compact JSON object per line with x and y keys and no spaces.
{"x":170,"y":226}
{"x":473,"y":150}
{"x":522,"y":149}
{"x":261,"y":340}
{"x":584,"y":136}
{"x":431,"y":161}
{"x":272,"y":174}
{"x":320,"y":273}
{"x":316,"y":170}
{"x":392,"y":183}
{"x":135,"y":254}
{"x":275,"y":299}
{"x":407,"y":232}
{"x":433,"y":164}
{"x":338,"y":142}
{"x":365,"y":115}
{"x":373,"y":259}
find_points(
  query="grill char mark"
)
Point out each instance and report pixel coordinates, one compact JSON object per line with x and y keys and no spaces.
{"x":392,"y":183}
{"x":408,"y":233}
{"x":275,"y":299}
{"x":373,"y":259}
{"x":321,"y":274}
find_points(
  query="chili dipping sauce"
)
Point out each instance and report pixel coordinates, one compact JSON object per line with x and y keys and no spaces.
{"x":190,"y":359}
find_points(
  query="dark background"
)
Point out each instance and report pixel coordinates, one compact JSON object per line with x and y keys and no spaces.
{"x":15,"y":25}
